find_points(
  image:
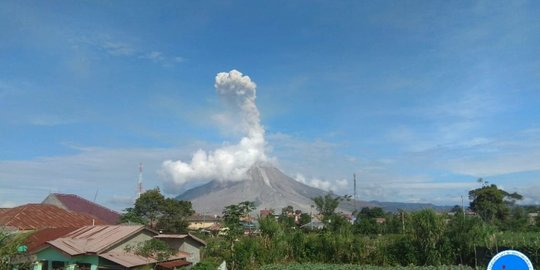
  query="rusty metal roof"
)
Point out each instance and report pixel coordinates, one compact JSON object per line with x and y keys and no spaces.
{"x":180,"y":236}
{"x":39,"y":239}
{"x":39,"y":216}
{"x":76,"y":203}
{"x":174,"y":264}
{"x":94,"y":239}
{"x":127,"y":259}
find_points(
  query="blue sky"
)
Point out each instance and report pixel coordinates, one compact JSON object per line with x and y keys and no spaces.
{"x":418,"y":98}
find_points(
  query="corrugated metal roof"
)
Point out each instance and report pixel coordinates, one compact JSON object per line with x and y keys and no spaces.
{"x":180,"y":236}
{"x":169,"y":236}
{"x":174,"y":264}
{"x":39,"y":216}
{"x":39,"y":238}
{"x":127,"y":259}
{"x":75,"y":203}
{"x":94,"y":239}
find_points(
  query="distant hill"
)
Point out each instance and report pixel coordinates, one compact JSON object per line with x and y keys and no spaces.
{"x":270,"y":188}
{"x":266,"y":185}
{"x":395,"y":206}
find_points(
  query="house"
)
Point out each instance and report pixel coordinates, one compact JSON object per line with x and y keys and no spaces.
{"x":38,"y":239}
{"x":198,"y":222}
{"x":263,"y":213}
{"x":380,"y":220}
{"x":107,"y":247}
{"x":31,"y":217}
{"x":184,"y":243}
{"x":74,"y":203}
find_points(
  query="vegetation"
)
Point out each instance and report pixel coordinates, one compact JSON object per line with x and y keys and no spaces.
{"x":10,"y":246}
{"x":388,"y":240}
{"x":491,"y":203}
{"x":158,"y":212}
{"x":356,"y":267}
{"x":152,"y":248}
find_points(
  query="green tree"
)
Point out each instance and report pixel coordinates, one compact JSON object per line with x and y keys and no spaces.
{"x":287,"y":217}
{"x":232,"y":215}
{"x":518,"y":222}
{"x":366,"y":220}
{"x":491,"y":203}
{"x":464,"y":233}
{"x":10,"y":245}
{"x":148,"y":207}
{"x":427,"y":233}
{"x":305,"y":218}
{"x":174,"y":215}
{"x":269,"y":227}
{"x":240,"y":254}
{"x":130,"y":216}
{"x":327,"y":205}
{"x":158,"y":212}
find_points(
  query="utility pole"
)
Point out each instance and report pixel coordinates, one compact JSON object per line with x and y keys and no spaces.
{"x":402,"y":220}
{"x":139,"y":181}
{"x":462,"y":206}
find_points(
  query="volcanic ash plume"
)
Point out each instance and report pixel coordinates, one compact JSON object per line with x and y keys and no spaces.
{"x":228,"y":163}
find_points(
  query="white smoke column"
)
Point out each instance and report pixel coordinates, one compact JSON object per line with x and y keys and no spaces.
{"x":228,"y":163}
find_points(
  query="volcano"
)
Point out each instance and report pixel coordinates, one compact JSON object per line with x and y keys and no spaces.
{"x":265,"y":185}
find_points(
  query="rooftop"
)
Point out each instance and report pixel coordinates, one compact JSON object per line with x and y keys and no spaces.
{"x":76,"y":203}
{"x":39,"y":239}
{"x":94,"y":239}
{"x":40,"y":216}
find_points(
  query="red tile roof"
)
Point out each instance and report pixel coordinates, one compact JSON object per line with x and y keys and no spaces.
{"x":75,"y":203}
{"x":40,"y":216}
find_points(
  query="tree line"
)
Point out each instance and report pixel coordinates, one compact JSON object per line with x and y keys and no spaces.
{"x":493,"y":222}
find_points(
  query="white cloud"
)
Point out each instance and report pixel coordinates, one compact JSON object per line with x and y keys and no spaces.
{"x":112,"y":173}
{"x":50,"y":120}
{"x":228,"y":163}
{"x":154,"y":56}
{"x":335,"y":186}
{"x":162,"y":59}
{"x":118,"y":48}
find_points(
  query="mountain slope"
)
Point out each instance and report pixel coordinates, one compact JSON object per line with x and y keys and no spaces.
{"x":267,"y":186}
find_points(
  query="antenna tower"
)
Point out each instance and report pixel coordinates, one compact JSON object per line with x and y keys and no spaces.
{"x":139,"y":181}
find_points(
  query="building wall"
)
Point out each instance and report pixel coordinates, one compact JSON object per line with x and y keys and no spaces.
{"x":51,"y":254}
{"x":193,"y":248}
{"x":200,"y":225}
{"x":133,"y":241}
{"x":187,"y":245}
{"x":51,"y":199}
